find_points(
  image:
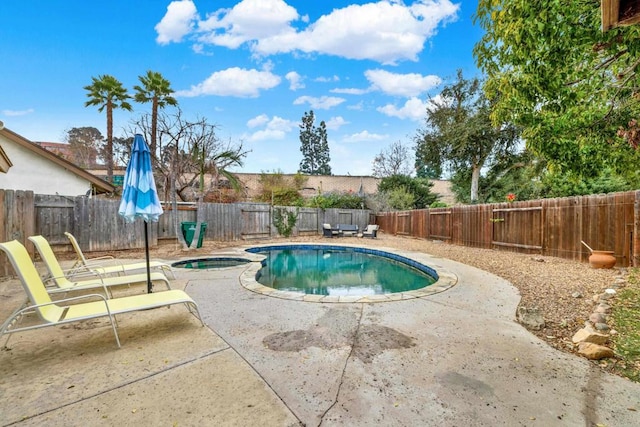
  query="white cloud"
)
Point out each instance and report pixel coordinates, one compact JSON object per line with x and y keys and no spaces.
{"x":386,"y":31}
{"x":356,"y":107}
{"x":322,"y":103}
{"x":234,"y":81}
{"x":335,"y":123}
{"x":177,"y":22}
{"x":248,"y":20}
{"x":365,"y":136}
{"x":295,"y":80}
{"x":258,"y":121}
{"x":17,"y":113}
{"x":276,"y":128}
{"x":414,"y":109}
{"x":327,"y":79}
{"x":407,"y":85}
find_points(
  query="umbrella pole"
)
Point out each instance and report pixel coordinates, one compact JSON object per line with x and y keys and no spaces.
{"x":146,"y":250}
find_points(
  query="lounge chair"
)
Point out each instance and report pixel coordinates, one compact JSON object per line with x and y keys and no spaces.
{"x":90,"y":279}
{"x":371,"y":231}
{"x":327,"y":231}
{"x":52,"y":313}
{"x":100,"y":264}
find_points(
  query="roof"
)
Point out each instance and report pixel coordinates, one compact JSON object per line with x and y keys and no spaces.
{"x":98,"y":184}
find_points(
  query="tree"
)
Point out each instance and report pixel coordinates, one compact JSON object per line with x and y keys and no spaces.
{"x":157,"y":90}
{"x":460,"y":133}
{"x":314,"y":147}
{"x":418,"y":188}
{"x":85,"y":143}
{"x":552,"y":71}
{"x":395,"y":160}
{"x":107,"y":92}
{"x":280,"y":190}
{"x":189,"y":150}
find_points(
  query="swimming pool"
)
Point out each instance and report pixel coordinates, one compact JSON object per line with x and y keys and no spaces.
{"x":344,"y":273}
{"x":206,"y":263}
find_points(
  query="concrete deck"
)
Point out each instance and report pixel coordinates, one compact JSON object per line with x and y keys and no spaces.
{"x":454,"y":358}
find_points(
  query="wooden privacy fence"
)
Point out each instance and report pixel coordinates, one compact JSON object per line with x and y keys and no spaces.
{"x":552,"y":227}
{"x":98,"y":227}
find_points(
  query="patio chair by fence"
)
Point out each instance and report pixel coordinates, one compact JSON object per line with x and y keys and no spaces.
{"x":371,"y":231}
{"x":52,"y":313}
{"x":91,"y":279}
{"x":101,"y":264}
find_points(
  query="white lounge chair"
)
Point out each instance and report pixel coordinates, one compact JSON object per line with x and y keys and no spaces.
{"x":52,"y":313}
{"x":91,"y":279}
{"x":101,"y":264}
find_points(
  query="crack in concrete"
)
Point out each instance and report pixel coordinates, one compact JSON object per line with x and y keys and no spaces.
{"x":591,"y":392}
{"x":353,"y":339}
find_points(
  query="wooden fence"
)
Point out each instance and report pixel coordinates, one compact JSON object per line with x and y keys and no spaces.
{"x":97,"y":226}
{"x":550,"y":227}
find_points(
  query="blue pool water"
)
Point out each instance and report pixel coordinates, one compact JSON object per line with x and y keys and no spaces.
{"x":336,"y":270}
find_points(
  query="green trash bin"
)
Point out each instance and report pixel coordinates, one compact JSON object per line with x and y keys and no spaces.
{"x":189,"y":230}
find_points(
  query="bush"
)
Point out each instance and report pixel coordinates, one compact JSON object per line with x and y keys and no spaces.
{"x":419,"y":188}
{"x":336,"y":200}
{"x":438,"y":205}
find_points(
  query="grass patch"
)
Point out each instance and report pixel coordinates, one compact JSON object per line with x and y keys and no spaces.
{"x":625,"y":318}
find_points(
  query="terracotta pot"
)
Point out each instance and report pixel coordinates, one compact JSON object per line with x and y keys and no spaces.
{"x":602,"y":259}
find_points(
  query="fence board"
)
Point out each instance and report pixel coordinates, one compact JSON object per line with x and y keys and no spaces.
{"x":552,"y":227}
{"x":18,"y":222}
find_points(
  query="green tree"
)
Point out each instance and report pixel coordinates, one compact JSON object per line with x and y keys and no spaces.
{"x":157,"y":90}
{"x":459,"y":132}
{"x":107,"y":93}
{"x":552,"y":71}
{"x":418,"y":188}
{"x":314,"y":146}
{"x":85,"y":143}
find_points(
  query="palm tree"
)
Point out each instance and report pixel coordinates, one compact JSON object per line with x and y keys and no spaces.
{"x":107,"y":92}
{"x":157,"y":90}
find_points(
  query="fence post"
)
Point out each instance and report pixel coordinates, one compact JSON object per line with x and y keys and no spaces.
{"x":635,"y":261}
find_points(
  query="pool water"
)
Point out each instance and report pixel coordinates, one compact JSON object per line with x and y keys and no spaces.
{"x":206,"y":263}
{"x":343,"y":271}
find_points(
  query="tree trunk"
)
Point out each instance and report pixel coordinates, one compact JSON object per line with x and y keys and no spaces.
{"x":475,"y":182}
{"x":174,"y":203}
{"x":109,"y":150}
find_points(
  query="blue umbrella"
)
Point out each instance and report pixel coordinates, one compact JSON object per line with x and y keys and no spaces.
{"x":139,"y":194}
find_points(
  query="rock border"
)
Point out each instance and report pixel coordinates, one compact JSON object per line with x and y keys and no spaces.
{"x":591,"y":340}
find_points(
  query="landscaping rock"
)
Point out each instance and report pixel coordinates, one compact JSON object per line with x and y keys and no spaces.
{"x":589,"y":335}
{"x":598,"y":318}
{"x":594,"y":351}
{"x":576,"y":295}
{"x":530,"y":318}
{"x":602,"y":308}
{"x":602,"y":327}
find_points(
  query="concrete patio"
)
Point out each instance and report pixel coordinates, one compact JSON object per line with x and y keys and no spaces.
{"x":454,"y":358}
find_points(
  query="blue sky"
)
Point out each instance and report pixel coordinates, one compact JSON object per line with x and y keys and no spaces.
{"x":252,"y":67}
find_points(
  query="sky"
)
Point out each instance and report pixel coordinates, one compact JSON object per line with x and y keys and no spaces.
{"x":253,"y":68}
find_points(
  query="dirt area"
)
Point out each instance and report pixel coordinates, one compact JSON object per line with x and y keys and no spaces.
{"x":546,"y":283}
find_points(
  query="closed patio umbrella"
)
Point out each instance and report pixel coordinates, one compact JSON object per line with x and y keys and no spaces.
{"x":139,"y":194}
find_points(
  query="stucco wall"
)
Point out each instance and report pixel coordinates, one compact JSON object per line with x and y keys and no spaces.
{"x":38,"y":174}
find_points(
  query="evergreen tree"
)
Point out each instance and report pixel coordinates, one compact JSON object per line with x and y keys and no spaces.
{"x":314,"y":147}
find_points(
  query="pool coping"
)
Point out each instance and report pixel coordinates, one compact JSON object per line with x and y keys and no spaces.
{"x":446,"y":279}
